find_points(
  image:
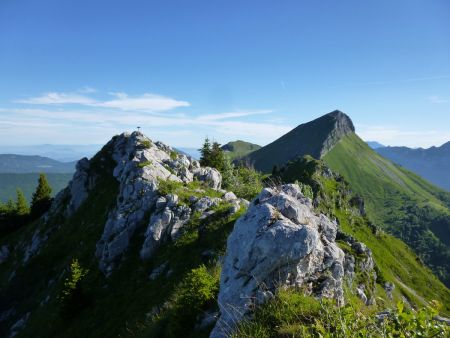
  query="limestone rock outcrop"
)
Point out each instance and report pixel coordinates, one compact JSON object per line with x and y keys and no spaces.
{"x":280,"y":241}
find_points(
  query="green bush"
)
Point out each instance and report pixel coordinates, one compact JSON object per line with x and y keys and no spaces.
{"x":166,"y":187}
{"x":173,"y":155}
{"x":196,"y":293}
{"x":146,"y":144}
{"x":244,"y":182}
{"x":72,"y":297}
{"x":144,"y":164}
{"x":198,"y":289}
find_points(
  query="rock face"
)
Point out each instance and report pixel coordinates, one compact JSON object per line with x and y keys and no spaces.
{"x":140,"y":165}
{"x":280,"y":241}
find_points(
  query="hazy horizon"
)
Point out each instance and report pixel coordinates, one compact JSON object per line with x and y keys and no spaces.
{"x":81,"y":72}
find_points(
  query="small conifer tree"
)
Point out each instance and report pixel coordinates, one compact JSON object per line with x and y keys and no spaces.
{"x":205,"y":152}
{"x":41,"y":199}
{"x":22,"y":208}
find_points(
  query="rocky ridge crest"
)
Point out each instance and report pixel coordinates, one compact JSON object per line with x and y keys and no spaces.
{"x":140,"y":166}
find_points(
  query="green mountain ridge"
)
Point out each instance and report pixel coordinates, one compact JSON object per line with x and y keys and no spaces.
{"x":314,"y":138}
{"x":398,"y":200}
{"x":237,"y":149}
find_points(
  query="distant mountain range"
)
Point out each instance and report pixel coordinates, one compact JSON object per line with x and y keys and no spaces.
{"x":12,"y":163}
{"x":432,"y":163}
{"x":63,"y":153}
{"x":21,"y":171}
{"x":375,"y":144}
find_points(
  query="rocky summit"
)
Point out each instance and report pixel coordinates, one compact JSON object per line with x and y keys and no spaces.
{"x":280,"y":241}
{"x":140,"y":165}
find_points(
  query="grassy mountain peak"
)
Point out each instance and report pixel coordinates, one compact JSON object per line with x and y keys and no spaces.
{"x":239,"y":148}
{"x":314,"y":138}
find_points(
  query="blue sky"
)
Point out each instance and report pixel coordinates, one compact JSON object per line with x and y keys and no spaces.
{"x":78,"y":72}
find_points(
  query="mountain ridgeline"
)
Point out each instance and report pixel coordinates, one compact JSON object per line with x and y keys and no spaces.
{"x":396,"y":199}
{"x":146,"y":242}
{"x":314,"y":138}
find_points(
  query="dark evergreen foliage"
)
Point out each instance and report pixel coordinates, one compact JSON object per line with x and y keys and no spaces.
{"x":41,"y":199}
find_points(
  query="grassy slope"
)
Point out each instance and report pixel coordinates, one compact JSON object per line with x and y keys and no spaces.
{"x":397,"y":199}
{"x":237,"y":149}
{"x":118,"y":305}
{"x":28,"y":183}
{"x":396,"y":261}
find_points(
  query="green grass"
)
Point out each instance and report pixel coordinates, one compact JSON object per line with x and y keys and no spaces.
{"x":122,"y":304}
{"x":401,"y":202}
{"x":395,"y":261}
{"x":292,"y":314}
{"x":144,"y":164}
{"x":237,"y":149}
{"x":185,"y":190}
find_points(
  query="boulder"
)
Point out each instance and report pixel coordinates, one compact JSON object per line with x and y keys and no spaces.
{"x":210,"y":176}
{"x":280,"y":241}
{"x":165,"y":224}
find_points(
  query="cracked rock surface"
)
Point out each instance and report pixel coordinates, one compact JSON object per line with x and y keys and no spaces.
{"x":280,"y":241}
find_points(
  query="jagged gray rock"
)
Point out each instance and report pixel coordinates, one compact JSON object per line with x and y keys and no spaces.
{"x":19,"y":325}
{"x":80,"y":185}
{"x":166,"y":223}
{"x":389,"y":288}
{"x":4,"y":254}
{"x":209,"y":175}
{"x":280,"y":241}
{"x":140,"y":164}
{"x":35,"y":245}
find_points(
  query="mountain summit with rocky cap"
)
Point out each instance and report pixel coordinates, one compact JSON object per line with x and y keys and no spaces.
{"x":314,"y":138}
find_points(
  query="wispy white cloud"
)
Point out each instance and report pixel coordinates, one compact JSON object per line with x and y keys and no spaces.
{"x":58,"y":98}
{"x":223,"y":116}
{"x":437,"y":99}
{"x":177,"y":130}
{"x":146,"y":102}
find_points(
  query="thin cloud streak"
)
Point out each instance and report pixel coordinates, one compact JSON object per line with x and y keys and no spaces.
{"x":148,"y":102}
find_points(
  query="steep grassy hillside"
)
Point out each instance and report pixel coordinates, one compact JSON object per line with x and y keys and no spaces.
{"x":396,"y":262}
{"x":313,"y":138}
{"x":28,"y":183}
{"x":400,"y":201}
{"x":239,"y":148}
